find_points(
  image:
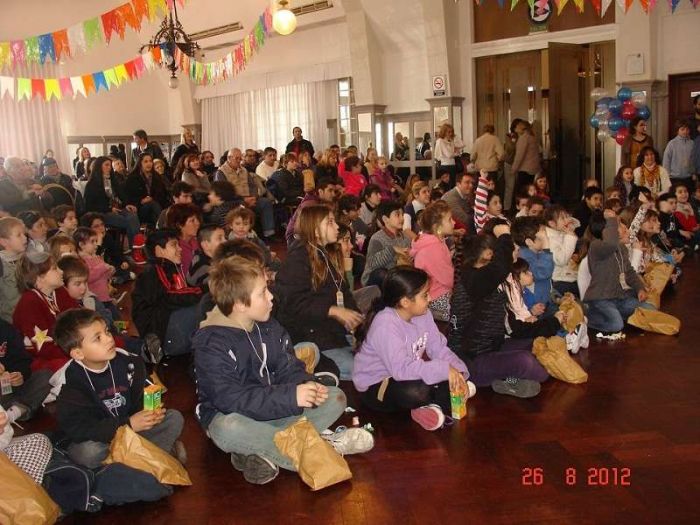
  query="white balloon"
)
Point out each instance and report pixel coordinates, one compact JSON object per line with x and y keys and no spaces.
{"x":603,"y":124}
{"x":603,"y":135}
{"x":639,"y":100}
{"x":602,"y":112}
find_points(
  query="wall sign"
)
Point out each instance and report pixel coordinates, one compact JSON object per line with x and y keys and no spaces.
{"x":439,"y":85}
{"x":538,"y":14}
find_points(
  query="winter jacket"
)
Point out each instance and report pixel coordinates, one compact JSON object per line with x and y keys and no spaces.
{"x":607,"y":259}
{"x":83,"y":406}
{"x":14,"y":199}
{"x":354,"y":183}
{"x":188,"y":250}
{"x":160,"y":290}
{"x":218,"y":214}
{"x":286,"y":186}
{"x":254,"y":374}
{"x":487,"y":152}
{"x":9,"y":292}
{"x":430,"y":253}
{"x":678,"y":158}
{"x":395,"y":348}
{"x":298,"y":147}
{"x":35,"y":319}
{"x":13,"y":356}
{"x":478,"y":305}
{"x":96,"y":199}
{"x":182,"y":150}
{"x":385,"y":182}
{"x":367,"y":213}
{"x":198,"y":273}
{"x":672,"y":228}
{"x":542,"y":267}
{"x":527,"y":155}
{"x":136,"y":189}
{"x":461,"y":208}
{"x":562,"y":245}
{"x":381,"y":253}
{"x":302,"y":310}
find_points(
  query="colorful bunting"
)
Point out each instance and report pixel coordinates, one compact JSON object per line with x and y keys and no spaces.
{"x":93,"y":33}
{"x":579,"y":5}
{"x":7,"y":85}
{"x":5,"y":54}
{"x":606,"y":5}
{"x":24,"y":88}
{"x":66,"y":87}
{"x":38,"y":88}
{"x":100,"y":81}
{"x":60,"y":43}
{"x":31,"y":50}
{"x":52,"y":89}
{"x":599,"y":6}
{"x":78,"y":86}
{"x":46,"y":48}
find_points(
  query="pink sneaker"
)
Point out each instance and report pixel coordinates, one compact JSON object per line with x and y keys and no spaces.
{"x":430,"y":417}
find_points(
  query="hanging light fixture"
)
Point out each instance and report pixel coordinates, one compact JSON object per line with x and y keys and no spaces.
{"x":284,"y":21}
{"x":169,"y":37}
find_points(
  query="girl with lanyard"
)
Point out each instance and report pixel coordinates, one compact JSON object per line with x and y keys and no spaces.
{"x":43,"y":298}
{"x":314,"y":301}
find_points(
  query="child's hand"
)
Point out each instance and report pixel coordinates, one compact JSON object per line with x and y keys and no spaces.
{"x":685,"y":234}
{"x":311,"y":394}
{"x":501,"y":229}
{"x":3,"y":422}
{"x":642,"y":295}
{"x":456,"y":380}
{"x":124,"y":265}
{"x":16,"y":379}
{"x":146,"y":419}
{"x":561,"y":317}
{"x":537,"y":309}
{"x":350,"y":319}
{"x":531,"y":319}
{"x":610,"y":214}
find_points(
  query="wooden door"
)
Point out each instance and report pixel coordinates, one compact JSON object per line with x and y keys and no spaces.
{"x":681,"y":90}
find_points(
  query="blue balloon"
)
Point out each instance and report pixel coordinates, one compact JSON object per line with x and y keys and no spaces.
{"x":615,"y":123}
{"x":624,"y":93}
{"x":644,"y":112}
{"x":605,"y":101}
{"x":593,"y":121}
{"x":615,"y":106}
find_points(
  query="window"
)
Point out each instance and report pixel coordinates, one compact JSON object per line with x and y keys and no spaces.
{"x":347,"y":125}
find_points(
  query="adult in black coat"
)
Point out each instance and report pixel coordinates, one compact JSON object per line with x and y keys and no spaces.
{"x":187,"y":146}
{"x":143,"y":147}
{"x":299,"y":144}
{"x":145,"y":190}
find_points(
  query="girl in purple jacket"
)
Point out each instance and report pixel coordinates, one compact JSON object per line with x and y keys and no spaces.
{"x":390,"y":371}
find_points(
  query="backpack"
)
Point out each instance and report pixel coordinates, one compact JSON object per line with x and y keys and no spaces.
{"x":117,"y":484}
{"x":70,"y":485}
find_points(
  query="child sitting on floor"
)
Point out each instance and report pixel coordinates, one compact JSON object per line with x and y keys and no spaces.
{"x":13,"y":242}
{"x":108,"y":248}
{"x":66,"y":219}
{"x":249,"y":383}
{"x":387,"y":245}
{"x":390,"y":371}
{"x":60,"y":246}
{"x":43,"y":298}
{"x":372,"y":196}
{"x":223,"y":199}
{"x":163,"y":305}
{"x":100,"y":272}
{"x":487,"y":203}
{"x":562,"y":243}
{"x":686,"y":214}
{"x":37,"y":230}
{"x":239,"y":222}
{"x":103,"y":391}
{"x":530,"y":235}
{"x":209,"y":236}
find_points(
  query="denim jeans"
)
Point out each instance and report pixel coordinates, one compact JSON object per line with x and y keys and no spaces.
{"x":264,"y":208}
{"x":610,"y":315}
{"x":91,"y":454}
{"x":344,"y":359}
{"x":124,"y":220}
{"x":181,"y":325}
{"x":243,"y":435}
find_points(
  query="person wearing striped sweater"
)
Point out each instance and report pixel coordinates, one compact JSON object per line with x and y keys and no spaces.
{"x":487,"y":204}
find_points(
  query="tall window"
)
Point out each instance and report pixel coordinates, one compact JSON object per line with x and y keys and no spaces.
{"x":347,"y":128}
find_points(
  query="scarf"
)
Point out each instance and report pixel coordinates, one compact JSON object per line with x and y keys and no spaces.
{"x":651,"y":177}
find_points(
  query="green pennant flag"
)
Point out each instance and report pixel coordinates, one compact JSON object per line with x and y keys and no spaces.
{"x":31,"y":49}
{"x":24,"y":88}
{"x":259,"y":34}
{"x":93,"y":32}
{"x":111,"y":77}
{"x":513,"y":3}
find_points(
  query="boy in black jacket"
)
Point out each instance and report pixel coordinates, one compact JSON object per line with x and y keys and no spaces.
{"x":103,"y":391}
{"x":249,"y":383}
{"x":27,"y":389}
{"x":163,"y":305}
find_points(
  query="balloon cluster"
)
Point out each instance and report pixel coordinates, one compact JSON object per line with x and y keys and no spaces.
{"x":613,"y":115}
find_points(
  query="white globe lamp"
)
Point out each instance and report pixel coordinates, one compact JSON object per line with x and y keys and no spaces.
{"x":284,"y":21}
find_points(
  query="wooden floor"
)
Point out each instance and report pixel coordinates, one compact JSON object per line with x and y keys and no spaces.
{"x":639,"y":413}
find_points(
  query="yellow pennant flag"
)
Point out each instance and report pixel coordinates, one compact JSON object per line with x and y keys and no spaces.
{"x":5,"y":58}
{"x":111,"y":77}
{"x":52,"y":88}
{"x":157,"y":8}
{"x":579,"y":5}
{"x":560,"y":6}
{"x":122,"y":74}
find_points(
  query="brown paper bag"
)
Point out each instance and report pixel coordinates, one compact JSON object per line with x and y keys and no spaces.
{"x":309,"y":182}
{"x":137,"y":452}
{"x":656,"y":278}
{"x":22,"y":501}
{"x":318,"y":463}
{"x":553,"y":356}
{"x":655,"y":321}
{"x":573,"y":311}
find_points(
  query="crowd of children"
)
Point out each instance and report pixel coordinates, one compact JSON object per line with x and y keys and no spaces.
{"x":410,"y":292}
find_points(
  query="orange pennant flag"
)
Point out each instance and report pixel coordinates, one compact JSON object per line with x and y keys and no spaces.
{"x":128,"y":17}
{"x":61,"y":44}
{"x":141,"y":10}
{"x":89,"y":84}
{"x":155,"y":53}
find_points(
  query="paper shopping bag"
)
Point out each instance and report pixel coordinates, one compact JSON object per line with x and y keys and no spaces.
{"x":309,"y":181}
{"x":22,"y":501}
{"x":655,"y":321}
{"x":656,"y":278}
{"x":573,"y":311}
{"x":317,"y":462}
{"x":137,"y":452}
{"x":552,"y":354}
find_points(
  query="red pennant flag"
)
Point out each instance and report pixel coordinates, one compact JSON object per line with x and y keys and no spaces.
{"x":628,"y":4}
{"x":597,"y":6}
{"x":130,"y":69}
{"x":140,"y":9}
{"x":61,"y":44}
{"x":645,"y":5}
{"x":38,"y":88}
{"x":66,"y":87}
{"x":126,"y":14}
{"x":89,"y":84}
{"x":109,"y":23}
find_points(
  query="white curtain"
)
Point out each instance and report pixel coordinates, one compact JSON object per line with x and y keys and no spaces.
{"x":258,"y":119}
{"x":29,"y":128}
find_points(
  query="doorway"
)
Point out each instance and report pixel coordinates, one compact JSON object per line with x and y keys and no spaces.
{"x":681,"y":90}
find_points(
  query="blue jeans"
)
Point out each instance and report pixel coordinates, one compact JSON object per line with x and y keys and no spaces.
{"x":264,"y":208}
{"x":344,"y":360}
{"x":243,"y":435}
{"x":181,"y":325}
{"x":124,"y":220}
{"x":610,"y":315}
{"x":150,"y":212}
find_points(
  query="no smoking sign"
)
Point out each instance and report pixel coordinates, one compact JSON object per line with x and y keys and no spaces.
{"x":439,"y":86}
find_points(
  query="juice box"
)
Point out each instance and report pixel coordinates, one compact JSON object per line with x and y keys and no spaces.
{"x":122,"y":326}
{"x":152,"y":397}
{"x":458,"y":402}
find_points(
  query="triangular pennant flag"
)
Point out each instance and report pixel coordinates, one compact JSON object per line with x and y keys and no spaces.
{"x":110,"y":77}
{"x":141,"y":10}
{"x":156,"y":54}
{"x":604,"y":9}
{"x":66,"y":87}
{"x":140,"y":65}
{"x":645,"y":5}
{"x":579,"y":5}
{"x":100,"y":81}
{"x":93,"y":32}
{"x":109,"y":24}
{"x":128,"y":18}
{"x":52,"y":88}
{"x":60,"y":43}
{"x":147,"y":61}
{"x":560,"y":5}
{"x":18,"y":52}
{"x":24,"y":88}
{"x":38,"y":88}
{"x":130,"y":67}
{"x":7,"y":85}
{"x":157,"y":8}
{"x":46,"y":48}
{"x":170,"y":3}
{"x":121,"y":73}
{"x":89,"y":83}
{"x":652,"y":4}
{"x":76,"y":38}
{"x":31,"y":50}
{"x":596,"y":6}
{"x":78,"y":85}
{"x":5,"y":55}
{"x":246,"y":49}
{"x":530,"y":3}
{"x":513,"y":3}
{"x":628,"y":4}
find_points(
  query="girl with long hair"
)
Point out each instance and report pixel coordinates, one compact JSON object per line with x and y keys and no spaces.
{"x":145,"y":190}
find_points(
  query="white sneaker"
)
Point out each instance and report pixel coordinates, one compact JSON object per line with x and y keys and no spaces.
{"x":577,"y":339}
{"x":349,"y":440}
{"x":471,"y":387}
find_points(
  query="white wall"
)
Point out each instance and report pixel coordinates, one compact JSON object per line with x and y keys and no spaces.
{"x":677,"y":40}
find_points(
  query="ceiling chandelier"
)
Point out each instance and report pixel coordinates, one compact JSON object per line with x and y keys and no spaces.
{"x":170,"y":36}
{"x":284,"y":21}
